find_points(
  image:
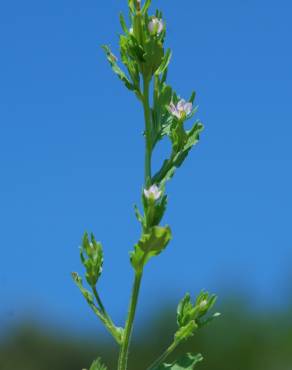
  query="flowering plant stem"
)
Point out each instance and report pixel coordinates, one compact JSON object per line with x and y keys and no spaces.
{"x":123,"y":356}
{"x":146,"y":62}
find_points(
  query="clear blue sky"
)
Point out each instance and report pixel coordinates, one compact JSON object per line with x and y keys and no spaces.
{"x":71,"y":156}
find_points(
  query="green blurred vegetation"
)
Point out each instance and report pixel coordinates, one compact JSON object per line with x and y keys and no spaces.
{"x":239,"y":340}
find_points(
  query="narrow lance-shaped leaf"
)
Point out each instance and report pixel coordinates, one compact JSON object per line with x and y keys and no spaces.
{"x":192,"y":98}
{"x":177,"y":158}
{"x":165,"y":62}
{"x":146,"y":6}
{"x":183,"y":307}
{"x":138,"y":215}
{"x":112,"y":60}
{"x":123,"y":24}
{"x":131,"y":6}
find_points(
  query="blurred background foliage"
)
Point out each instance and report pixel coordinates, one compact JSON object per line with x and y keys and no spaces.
{"x":242,"y":339}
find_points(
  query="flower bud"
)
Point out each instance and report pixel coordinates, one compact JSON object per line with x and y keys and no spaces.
{"x":153,"y":193}
{"x":203,"y":304}
{"x":155,"y":26}
{"x":91,"y":255}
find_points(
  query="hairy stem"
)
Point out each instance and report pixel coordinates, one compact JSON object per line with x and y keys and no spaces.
{"x":123,"y":357}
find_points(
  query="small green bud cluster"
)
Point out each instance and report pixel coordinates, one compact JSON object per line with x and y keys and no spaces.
{"x":91,"y":255}
{"x":191,"y":316}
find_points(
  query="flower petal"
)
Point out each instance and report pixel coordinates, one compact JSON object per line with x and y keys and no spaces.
{"x":188,"y":108}
{"x":181,"y":105}
{"x":160,"y":26}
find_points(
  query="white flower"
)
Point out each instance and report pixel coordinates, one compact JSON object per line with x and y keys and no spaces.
{"x":155,"y":26}
{"x":153,"y":192}
{"x":182,"y":109}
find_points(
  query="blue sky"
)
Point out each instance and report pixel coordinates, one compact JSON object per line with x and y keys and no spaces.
{"x":71,"y":156}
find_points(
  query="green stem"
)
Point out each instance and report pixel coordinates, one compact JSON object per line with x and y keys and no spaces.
{"x":123,"y":357}
{"x":98,"y":300}
{"x":124,"y":351}
{"x":165,"y":354}
{"x":109,"y":323}
{"x":106,"y":321}
{"x":148,"y":131}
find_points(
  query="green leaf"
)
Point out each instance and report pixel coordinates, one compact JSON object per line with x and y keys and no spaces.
{"x":131,"y":6}
{"x":156,"y":240}
{"x":97,"y":365}
{"x":138,"y":215}
{"x":194,"y":135}
{"x":137,"y":52}
{"x":183,"y":308}
{"x":126,"y":52}
{"x":151,"y":244}
{"x":165,"y":95}
{"x":182,"y":145}
{"x":113,"y":62}
{"x":164,"y":63}
{"x":209,"y":319}
{"x":146,"y":6}
{"x":137,"y":258}
{"x":192,"y":98}
{"x":160,"y":209}
{"x":123,"y":24}
{"x":153,"y":56}
{"x":187,"y":362}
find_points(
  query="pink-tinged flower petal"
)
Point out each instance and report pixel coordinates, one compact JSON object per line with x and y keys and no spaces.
{"x":155,"y":26}
{"x":151,"y":26}
{"x":160,"y":26}
{"x":181,"y":105}
{"x":188,"y":108}
{"x":146,"y":193}
{"x":173,"y":110}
